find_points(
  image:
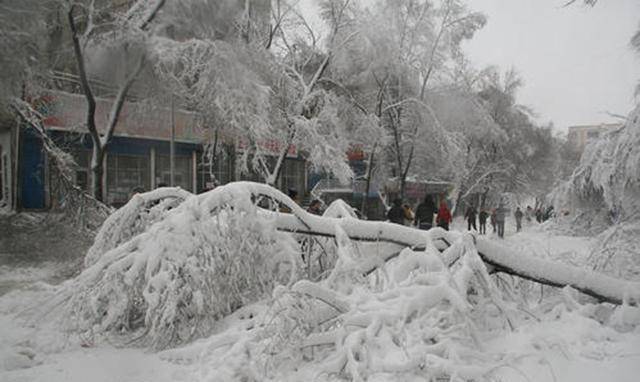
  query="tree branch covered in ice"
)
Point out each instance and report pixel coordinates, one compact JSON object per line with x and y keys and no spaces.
{"x":80,"y":208}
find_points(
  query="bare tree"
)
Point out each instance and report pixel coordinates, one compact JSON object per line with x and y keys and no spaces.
{"x":142,"y":16}
{"x":414,"y":39}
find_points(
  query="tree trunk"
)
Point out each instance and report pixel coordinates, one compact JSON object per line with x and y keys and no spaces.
{"x":97,"y":171}
{"x":365,"y":198}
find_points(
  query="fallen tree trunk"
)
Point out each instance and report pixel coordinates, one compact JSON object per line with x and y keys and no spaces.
{"x":499,"y":258}
{"x":602,"y":287}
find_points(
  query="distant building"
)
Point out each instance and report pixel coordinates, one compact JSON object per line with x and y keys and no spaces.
{"x":580,"y":135}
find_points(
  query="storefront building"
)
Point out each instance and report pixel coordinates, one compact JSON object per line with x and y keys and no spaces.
{"x":138,"y":156}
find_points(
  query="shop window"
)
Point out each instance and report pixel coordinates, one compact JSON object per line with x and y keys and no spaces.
{"x":293,"y":176}
{"x":126,"y":174}
{"x":183,"y":172}
{"x":251,"y":174}
{"x":221,"y":168}
{"x":83,"y":169}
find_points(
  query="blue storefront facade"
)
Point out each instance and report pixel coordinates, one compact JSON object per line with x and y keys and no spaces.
{"x":137,"y":157}
{"x":131,"y":164}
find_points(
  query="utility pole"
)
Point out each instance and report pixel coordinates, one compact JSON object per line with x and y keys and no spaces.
{"x":172,"y":144}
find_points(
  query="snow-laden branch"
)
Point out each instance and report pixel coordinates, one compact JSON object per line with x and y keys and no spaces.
{"x":133,"y":218}
{"x":594,"y":284}
{"x":344,"y":328}
{"x":598,"y":285}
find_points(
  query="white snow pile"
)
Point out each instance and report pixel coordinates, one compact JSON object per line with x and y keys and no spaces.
{"x":170,"y":283}
{"x":339,"y":209}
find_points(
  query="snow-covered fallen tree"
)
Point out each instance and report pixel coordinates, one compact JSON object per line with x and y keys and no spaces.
{"x":600,"y":286}
{"x":198,"y":258}
{"x":411,"y":320}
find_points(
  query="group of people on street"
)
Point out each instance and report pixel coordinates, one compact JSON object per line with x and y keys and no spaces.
{"x":497,"y":217}
{"x":423,"y":217}
{"x":401,"y":213}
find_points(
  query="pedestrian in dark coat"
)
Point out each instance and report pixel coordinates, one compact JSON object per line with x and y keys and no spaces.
{"x":482,"y":219}
{"x":518,"y":215}
{"x":444,"y":215}
{"x":424,"y":213}
{"x":314,"y":207}
{"x":501,"y":216}
{"x":494,"y":224}
{"x":396,"y":212}
{"x":470,"y":215}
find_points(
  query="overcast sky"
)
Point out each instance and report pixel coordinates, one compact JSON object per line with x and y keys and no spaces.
{"x":576,"y":61}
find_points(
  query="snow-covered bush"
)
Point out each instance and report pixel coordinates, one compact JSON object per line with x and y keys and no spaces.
{"x":170,"y":283}
{"x":603,"y":197}
{"x":608,"y":177}
{"x":134,"y":218}
{"x":617,"y":251}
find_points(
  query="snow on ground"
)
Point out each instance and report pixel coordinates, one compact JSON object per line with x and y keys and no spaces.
{"x":571,"y":347}
{"x":563,"y":346}
{"x":105,"y":364}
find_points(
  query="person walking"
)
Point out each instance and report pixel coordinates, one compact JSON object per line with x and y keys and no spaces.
{"x":314,"y":207}
{"x":396,"y":212}
{"x":444,"y":215}
{"x":424,"y":213}
{"x":293,"y":194}
{"x":529,"y":214}
{"x":470,"y":215}
{"x":493,"y":220}
{"x":482,"y":220}
{"x":518,"y":215}
{"x":501,"y":216}
{"x":408,"y":214}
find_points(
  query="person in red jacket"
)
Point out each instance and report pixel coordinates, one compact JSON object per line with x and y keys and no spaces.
{"x":444,"y":215}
